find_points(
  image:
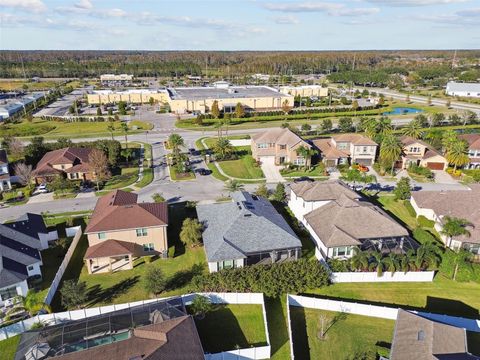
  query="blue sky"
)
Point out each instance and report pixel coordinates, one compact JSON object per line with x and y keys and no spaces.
{"x":239,"y":24}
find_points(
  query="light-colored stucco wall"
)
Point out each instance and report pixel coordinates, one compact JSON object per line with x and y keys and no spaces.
{"x":133,"y":98}
{"x":155,"y":235}
{"x":213,"y":266}
{"x":363,"y":152}
{"x":300,"y":208}
{"x":21,"y":288}
{"x":311,"y":90}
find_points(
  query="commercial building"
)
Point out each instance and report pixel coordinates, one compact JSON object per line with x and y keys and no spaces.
{"x":305,"y":91}
{"x":116,"y":79}
{"x":12,"y":106}
{"x":463,"y":89}
{"x":132,"y":96}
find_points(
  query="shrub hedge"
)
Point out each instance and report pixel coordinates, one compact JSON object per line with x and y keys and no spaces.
{"x":273,"y":280}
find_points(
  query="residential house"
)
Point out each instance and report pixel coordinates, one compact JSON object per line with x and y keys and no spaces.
{"x":157,"y":330}
{"x":347,"y":148}
{"x":5,"y":182}
{"x":340,"y":220}
{"x":248,"y":230}
{"x":20,"y":259}
{"x":419,"y":338}
{"x":121,"y":229}
{"x":279,"y":146}
{"x":73,"y":163}
{"x":34,"y":226}
{"x":436,"y":205}
{"x":420,"y":153}
{"x":473,"y":141}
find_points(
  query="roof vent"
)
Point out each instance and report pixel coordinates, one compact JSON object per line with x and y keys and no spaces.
{"x":247,"y":215}
{"x":421,"y":335}
{"x":254,"y":197}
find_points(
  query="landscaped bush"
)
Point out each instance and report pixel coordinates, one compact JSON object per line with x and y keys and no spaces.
{"x":466,"y":271}
{"x":424,"y":222}
{"x":423,"y":236}
{"x":420,"y":170}
{"x":273,"y":280}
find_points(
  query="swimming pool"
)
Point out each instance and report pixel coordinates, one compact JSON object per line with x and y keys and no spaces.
{"x":403,"y":111}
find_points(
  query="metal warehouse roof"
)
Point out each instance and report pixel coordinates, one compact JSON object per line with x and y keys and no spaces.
{"x":468,"y":87}
{"x":232,"y":92}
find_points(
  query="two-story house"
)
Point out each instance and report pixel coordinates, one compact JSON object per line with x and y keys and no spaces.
{"x":73,"y":163}
{"x":5,"y":183}
{"x":20,"y":259}
{"x":420,"y":153}
{"x":473,"y":141}
{"x":340,"y":220}
{"x":279,"y":146}
{"x":120,"y":229}
{"x":347,"y":148}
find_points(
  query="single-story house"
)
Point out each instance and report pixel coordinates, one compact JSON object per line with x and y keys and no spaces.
{"x":33,"y":225}
{"x":339,"y":220}
{"x":463,"y":204}
{"x":20,"y":259}
{"x":248,"y":230}
{"x":420,"y":153}
{"x":121,"y":229}
{"x":419,"y":338}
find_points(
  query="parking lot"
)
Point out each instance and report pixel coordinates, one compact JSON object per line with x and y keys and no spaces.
{"x":60,"y":107}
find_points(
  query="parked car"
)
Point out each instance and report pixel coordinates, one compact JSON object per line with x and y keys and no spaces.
{"x":41,"y":189}
{"x":363,"y":168}
{"x":303,"y":178}
{"x":192,"y":151}
{"x":203,"y":171}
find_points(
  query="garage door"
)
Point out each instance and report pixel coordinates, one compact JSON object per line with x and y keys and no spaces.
{"x":366,"y":162}
{"x":435,"y":165}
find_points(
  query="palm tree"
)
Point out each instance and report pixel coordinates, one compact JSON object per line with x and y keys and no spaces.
{"x":223,"y":148}
{"x":233,"y":185}
{"x":390,"y":150}
{"x":384,"y":126}
{"x":407,"y":261}
{"x":124,"y":128}
{"x":359,"y":260}
{"x":457,"y":154}
{"x":461,"y":257}
{"x":377,"y":262}
{"x":111,"y":128}
{"x":307,"y":154}
{"x":370,"y":127}
{"x":392,"y":262}
{"x":126,"y":154}
{"x":413,"y":129}
{"x":428,"y":256}
{"x":449,"y":138}
{"x":32,"y":303}
{"x":453,"y":226}
{"x":176,"y":141}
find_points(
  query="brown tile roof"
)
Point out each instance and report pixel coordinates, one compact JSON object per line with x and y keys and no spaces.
{"x":419,"y":338}
{"x":279,"y":136}
{"x":3,"y":157}
{"x":329,"y":151}
{"x":322,"y":190}
{"x":109,"y":248}
{"x":83,"y":168}
{"x":61,"y":157}
{"x":356,"y":139}
{"x":119,"y":210}
{"x":346,"y":222}
{"x":408,"y":140}
{"x":175,"y":339}
{"x":460,"y":203}
{"x":473,"y":140}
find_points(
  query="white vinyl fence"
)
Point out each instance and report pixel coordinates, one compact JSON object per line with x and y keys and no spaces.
{"x":410,"y":276}
{"x":259,"y":352}
{"x":383,"y":312}
{"x":77,"y":233}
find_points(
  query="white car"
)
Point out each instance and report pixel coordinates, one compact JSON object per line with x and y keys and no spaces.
{"x":41,"y":189}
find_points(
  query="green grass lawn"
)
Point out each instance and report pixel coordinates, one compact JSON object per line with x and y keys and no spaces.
{"x":146,"y":179}
{"x":127,"y":177}
{"x":174,"y":175}
{"x":243,"y":168}
{"x":17,"y":84}
{"x":346,"y":336}
{"x":9,"y":347}
{"x":52,"y":258}
{"x":215,"y":173}
{"x":230,"y":327}
{"x":398,"y":210}
{"x":315,"y":171}
{"x":127,"y":286}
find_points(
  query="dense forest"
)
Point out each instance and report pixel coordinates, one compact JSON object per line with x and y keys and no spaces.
{"x":357,"y":66}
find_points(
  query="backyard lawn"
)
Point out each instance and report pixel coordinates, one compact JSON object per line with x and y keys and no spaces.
{"x":8,"y":347}
{"x":347,"y":335}
{"x":230,"y":327}
{"x":398,"y":210}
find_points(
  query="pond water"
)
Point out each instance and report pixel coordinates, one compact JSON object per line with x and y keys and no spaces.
{"x":403,"y":111}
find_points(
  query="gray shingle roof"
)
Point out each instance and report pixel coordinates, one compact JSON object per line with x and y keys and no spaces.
{"x":8,"y":277}
{"x":29,"y":224}
{"x":247,"y":225}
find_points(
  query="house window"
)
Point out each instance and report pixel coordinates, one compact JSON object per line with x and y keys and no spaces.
{"x":227,"y":264}
{"x":283,"y":147}
{"x":262,"y":146}
{"x":342,"y":251}
{"x":365,"y":149}
{"x":101,"y":235}
{"x":30,"y":268}
{"x":63,"y":167}
{"x":141,"y":232}
{"x":341,"y":146}
{"x":299,"y":161}
{"x":148,"y":247}
{"x":8,"y":293}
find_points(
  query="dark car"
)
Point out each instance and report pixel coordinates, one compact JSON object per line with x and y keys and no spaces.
{"x":204,"y":171}
{"x":192,"y":151}
{"x":303,"y":178}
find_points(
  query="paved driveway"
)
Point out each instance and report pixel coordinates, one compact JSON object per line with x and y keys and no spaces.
{"x":270,"y":170}
{"x":442,"y":177}
{"x":40,"y":198}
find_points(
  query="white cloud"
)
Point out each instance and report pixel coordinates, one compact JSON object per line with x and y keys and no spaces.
{"x":461,"y":18}
{"x":286,"y":20}
{"x":84,"y":4}
{"x":415,"y":2}
{"x":26,"y":5}
{"x":332,"y":9}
